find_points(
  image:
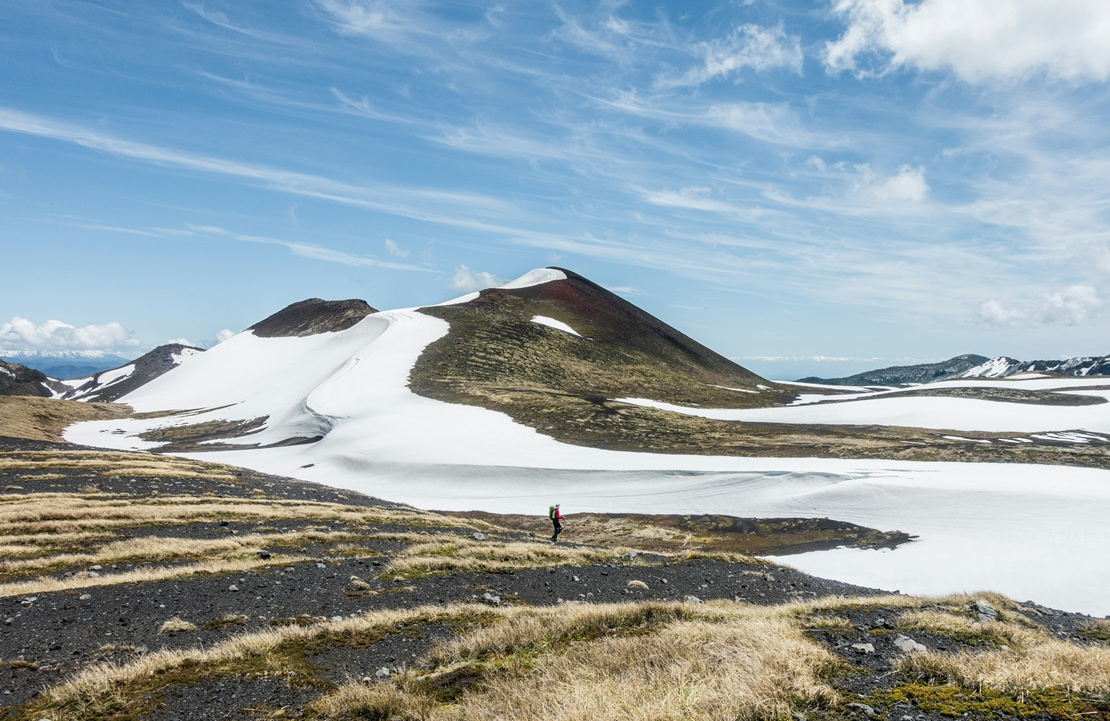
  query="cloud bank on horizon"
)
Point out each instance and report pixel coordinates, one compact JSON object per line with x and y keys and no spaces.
{"x":847,"y":179}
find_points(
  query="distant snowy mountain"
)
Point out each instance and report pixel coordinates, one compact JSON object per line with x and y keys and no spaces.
{"x":1003,"y":367}
{"x":969,"y":366}
{"x":902,"y":375}
{"x":65,"y":364}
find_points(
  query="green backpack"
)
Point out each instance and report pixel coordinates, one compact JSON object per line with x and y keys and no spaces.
{"x":551,"y":513}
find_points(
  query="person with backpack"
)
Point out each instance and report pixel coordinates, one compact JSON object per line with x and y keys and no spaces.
{"x":556,"y":517}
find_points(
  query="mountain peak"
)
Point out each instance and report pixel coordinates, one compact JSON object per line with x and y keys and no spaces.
{"x":312,"y":316}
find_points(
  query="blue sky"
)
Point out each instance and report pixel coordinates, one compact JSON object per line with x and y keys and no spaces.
{"x":807,"y":187}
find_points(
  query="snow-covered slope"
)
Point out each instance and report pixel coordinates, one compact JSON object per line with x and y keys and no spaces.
{"x":335,"y":407}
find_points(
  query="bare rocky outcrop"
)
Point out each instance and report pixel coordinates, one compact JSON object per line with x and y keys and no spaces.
{"x":312,"y":316}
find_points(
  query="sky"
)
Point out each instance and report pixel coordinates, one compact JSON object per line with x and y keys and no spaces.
{"x":809,"y":188}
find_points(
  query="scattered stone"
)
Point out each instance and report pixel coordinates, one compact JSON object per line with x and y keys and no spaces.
{"x":862,"y":707}
{"x":479,"y":536}
{"x":908,"y":645}
{"x":637,"y":584}
{"x":631,"y":555}
{"x":97,"y":567}
{"x":88,"y":597}
{"x":223,"y":523}
{"x":94,"y":574}
{"x":864,"y":647}
{"x":29,"y":600}
{"x":693,"y":599}
{"x":336,"y":618}
{"x":382,"y":672}
{"x":985,"y":611}
{"x":263,"y":555}
{"x":233,"y":587}
{"x":321,"y":565}
{"x":491,"y":599}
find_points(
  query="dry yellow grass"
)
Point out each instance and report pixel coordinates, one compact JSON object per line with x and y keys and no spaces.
{"x":1047,"y":663}
{"x":143,"y":575}
{"x":177,"y":625}
{"x":463,"y":554}
{"x":44,"y":419}
{"x":650,"y":660}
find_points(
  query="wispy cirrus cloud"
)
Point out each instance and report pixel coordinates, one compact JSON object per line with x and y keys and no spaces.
{"x":309,"y":250}
{"x":748,"y":47}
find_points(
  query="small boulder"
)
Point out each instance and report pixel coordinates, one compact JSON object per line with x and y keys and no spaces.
{"x":864,"y":647}
{"x":233,"y":587}
{"x":491,"y":599}
{"x":638,"y":584}
{"x":862,"y":707}
{"x":985,"y":611}
{"x":478,"y":536}
{"x":693,"y":599}
{"x":908,"y":645}
{"x":382,"y":672}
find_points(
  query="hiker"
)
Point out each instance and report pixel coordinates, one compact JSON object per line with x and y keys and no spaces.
{"x":556,"y":517}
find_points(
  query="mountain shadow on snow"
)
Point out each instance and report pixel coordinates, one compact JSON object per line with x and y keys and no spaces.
{"x":312,"y":316}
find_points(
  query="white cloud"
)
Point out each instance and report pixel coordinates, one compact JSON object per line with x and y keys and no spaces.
{"x":749,"y":46}
{"x":395,"y":249}
{"x":467,"y":280}
{"x":1070,"y":306}
{"x":22,"y":334}
{"x":907,"y":185}
{"x":224,"y":334}
{"x":979,"y":40}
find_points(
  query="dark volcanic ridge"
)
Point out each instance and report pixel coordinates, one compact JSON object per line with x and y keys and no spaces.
{"x":112,"y":385}
{"x":970,"y":366}
{"x":19,"y":380}
{"x":312,"y":316}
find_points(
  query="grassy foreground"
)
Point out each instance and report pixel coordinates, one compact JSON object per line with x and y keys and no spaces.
{"x":116,"y":591}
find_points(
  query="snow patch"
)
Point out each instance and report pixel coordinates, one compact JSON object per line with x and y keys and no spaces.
{"x":184,"y":355}
{"x":6,"y":372}
{"x":461,"y":299}
{"x":556,"y":324}
{"x":107,"y":378}
{"x":738,"y":390}
{"x":535,"y":277}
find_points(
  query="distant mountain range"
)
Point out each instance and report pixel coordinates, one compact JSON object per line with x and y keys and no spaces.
{"x":65,"y":364}
{"x":969,"y":366}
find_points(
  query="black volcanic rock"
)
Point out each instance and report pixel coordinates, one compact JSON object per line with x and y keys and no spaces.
{"x":101,"y":387}
{"x":900,"y":375}
{"x":19,"y":380}
{"x":312,"y":316}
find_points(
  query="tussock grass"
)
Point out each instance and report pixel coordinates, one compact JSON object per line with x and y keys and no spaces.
{"x":69,"y":512}
{"x":177,"y":625}
{"x":142,"y":575}
{"x":463,"y":554}
{"x":89,"y":693}
{"x":1048,"y":664}
{"x":157,"y":549}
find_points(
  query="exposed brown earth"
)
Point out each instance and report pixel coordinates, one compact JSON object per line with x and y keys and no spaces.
{"x":44,"y":419}
{"x":312,"y":316}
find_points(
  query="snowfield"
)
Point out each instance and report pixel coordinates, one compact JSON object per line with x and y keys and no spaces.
{"x":1031,"y":532}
